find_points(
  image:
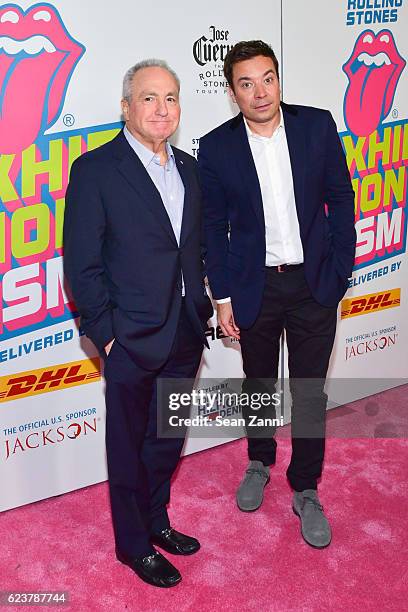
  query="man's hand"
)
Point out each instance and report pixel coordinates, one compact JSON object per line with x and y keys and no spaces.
{"x":109,"y":346}
{"x":226,"y":321}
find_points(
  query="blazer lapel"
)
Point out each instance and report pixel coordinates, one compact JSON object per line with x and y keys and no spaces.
{"x":297,"y":153}
{"x":138,"y":178}
{"x":246,"y":165}
{"x":189,"y":207}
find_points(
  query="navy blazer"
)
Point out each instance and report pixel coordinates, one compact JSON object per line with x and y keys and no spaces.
{"x":234,"y":222}
{"x":121,"y":256}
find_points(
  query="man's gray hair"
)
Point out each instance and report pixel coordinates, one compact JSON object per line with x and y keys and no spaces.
{"x":147,"y":63}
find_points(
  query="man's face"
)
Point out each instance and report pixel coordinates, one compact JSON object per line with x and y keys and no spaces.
{"x":153,"y":113}
{"x":256,"y":89}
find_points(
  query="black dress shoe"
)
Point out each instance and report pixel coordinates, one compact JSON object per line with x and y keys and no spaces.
{"x":175,"y":542}
{"x":153,"y":569}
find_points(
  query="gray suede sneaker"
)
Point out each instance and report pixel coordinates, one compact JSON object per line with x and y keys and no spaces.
{"x":250,"y":491}
{"x":315,"y":526}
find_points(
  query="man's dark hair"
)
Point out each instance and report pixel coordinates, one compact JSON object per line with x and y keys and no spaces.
{"x":245,"y":50}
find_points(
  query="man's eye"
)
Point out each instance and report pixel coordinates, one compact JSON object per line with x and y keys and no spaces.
{"x":149,"y":98}
{"x":246,"y":85}
{"x":171,"y":99}
{"x":268,"y":80}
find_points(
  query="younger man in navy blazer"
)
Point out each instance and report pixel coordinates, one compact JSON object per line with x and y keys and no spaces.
{"x":278,"y":259}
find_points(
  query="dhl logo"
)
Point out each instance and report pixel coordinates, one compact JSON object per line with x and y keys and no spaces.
{"x":352,"y":307}
{"x":52,"y":378}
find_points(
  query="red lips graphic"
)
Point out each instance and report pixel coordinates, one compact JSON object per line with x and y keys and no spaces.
{"x":373,"y":70}
{"x":37,"y":58}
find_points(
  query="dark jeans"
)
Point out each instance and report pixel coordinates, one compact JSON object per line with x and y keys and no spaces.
{"x":310,"y":330}
{"x":140,"y":464}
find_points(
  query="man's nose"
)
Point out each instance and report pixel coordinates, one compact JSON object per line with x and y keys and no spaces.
{"x":161,"y":108}
{"x":260,"y":90}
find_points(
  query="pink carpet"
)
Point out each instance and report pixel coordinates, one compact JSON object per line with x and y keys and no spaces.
{"x":255,"y":561}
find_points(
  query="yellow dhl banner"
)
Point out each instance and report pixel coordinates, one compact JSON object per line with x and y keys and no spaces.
{"x":372,"y":302}
{"x":52,"y":378}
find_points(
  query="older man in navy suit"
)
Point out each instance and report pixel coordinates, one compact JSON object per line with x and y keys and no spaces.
{"x":132,"y":239}
{"x":280,"y":238}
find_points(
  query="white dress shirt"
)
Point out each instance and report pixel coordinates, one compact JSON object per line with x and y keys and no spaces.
{"x":272,"y":163}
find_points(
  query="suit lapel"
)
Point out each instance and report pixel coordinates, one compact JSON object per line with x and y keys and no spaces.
{"x":138,"y":178}
{"x":189,"y":205}
{"x":246,"y":166}
{"x":297,"y":152}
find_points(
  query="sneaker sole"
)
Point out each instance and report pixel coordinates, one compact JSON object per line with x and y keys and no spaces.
{"x":301,"y":531}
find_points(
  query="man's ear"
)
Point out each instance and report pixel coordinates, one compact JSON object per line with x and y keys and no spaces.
{"x":125,"y":109}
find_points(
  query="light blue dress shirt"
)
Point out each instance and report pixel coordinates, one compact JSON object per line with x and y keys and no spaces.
{"x":166,"y":179}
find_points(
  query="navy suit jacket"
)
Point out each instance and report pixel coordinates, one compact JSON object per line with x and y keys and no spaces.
{"x":234,"y":222}
{"x":121,"y":256}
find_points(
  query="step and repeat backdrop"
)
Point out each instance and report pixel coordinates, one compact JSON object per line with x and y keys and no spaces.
{"x":61,"y":68}
{"x":350,"y":56}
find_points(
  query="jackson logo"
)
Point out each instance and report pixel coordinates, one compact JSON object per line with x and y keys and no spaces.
{"x":370,"y":346}
{"x":212,"y":49}
{"x":372,"y":302}
{"x":49,"y":379}
{"x":373,"y":71}
{"x":48,"y":437}
{"x":37,"y":57}
{"x":376,"y":151}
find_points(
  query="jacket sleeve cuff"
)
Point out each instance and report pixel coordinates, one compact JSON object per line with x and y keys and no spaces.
{"x":101,"y":332}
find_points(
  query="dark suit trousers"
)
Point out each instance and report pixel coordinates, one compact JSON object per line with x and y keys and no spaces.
{"x":140,"y":464}
{"x":310,"y":330}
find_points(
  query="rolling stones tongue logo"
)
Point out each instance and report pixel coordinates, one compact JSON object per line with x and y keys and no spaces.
{"x":373,"y":71}
{"x":37,"y":58}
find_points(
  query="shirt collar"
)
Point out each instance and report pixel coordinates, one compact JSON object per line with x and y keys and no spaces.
{"x":147,"y":156}
{"x":254,"y":136}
